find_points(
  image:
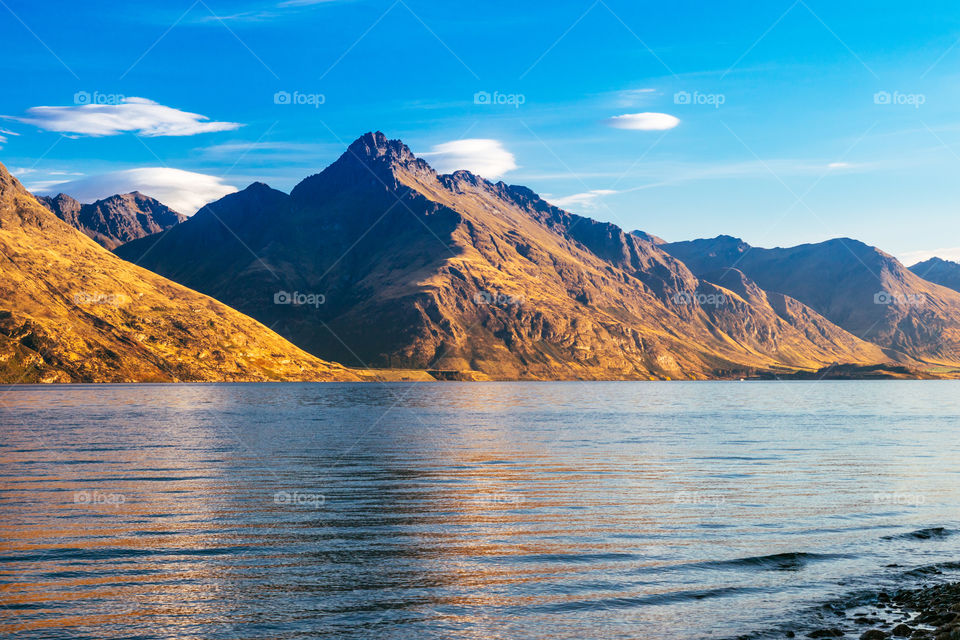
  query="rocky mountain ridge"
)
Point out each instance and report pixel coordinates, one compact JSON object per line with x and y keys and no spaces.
{"x":456,"y":273}
{"x":115,"y":220}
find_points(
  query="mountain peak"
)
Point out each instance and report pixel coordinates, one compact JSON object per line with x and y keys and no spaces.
{"x":649,"y":237}
{"x":372,"y":160}
{"x":730,"y":239}
{"x":946,"y":273}
{"x":259,"y":187}
{"x":62,"y":197}
{"x":934,"y":261}
{"x":375,"y":144}
{"x":116,"y":219}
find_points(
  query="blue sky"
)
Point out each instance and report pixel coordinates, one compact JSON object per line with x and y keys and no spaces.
{"x":780,"y":122}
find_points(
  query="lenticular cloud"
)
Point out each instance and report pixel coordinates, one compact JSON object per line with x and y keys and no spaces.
{"x":484,"y":157}
{"x":648,"y":121}
{"x":135,"y":115}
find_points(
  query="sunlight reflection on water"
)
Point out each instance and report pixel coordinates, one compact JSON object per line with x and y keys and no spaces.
{"x":515,"y":510}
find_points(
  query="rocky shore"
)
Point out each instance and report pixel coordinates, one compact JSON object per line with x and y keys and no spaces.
{"x":930,"y":612}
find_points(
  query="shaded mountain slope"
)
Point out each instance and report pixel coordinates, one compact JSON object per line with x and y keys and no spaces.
{"x":117,"y":219}
{"x":858,"y":287}
{"x":455,"y":273}
{"x":70,"y":311}
{"x":648,"y":236}
{"x":946,"y":273}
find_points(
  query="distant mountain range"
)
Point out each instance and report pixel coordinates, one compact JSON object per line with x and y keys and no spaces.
{"x":114,"y":220}
{"x":855,"y":286}
{"x":378,"y":261}
{"x":462,"y":276}
{"x":939,"y":271}
{"x":71,"y":311}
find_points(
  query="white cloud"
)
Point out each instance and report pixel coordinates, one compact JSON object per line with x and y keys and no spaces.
{"x":145,"y":117}
{"x":484,"y":157}
{"x":184,"y":191}
{"x":4,"y":133}
{"x":911,"y":258}
{"x":633,"y":97}
{"x":647,"y":121}
{"x":586,"y":200}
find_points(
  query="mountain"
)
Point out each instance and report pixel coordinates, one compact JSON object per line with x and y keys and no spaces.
{"x":855,"y":286}
{"x":462,"y":276}
{"x":117,"y":219}
{"x":946,"y":273}
{"x":648,"y":237}
{"x":70,"y":311}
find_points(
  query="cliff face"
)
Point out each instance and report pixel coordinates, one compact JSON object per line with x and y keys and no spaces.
{"x":456,"y":273}
{"x":70,"y":311}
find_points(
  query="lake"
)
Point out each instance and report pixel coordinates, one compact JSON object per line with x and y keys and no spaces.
{"x":469,"y":510}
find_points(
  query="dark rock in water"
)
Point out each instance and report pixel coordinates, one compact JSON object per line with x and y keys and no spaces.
{"x":826,"y":633}
{"x":873,"y":634}
{"x":790,"y":634}
{"x":902,"y":631}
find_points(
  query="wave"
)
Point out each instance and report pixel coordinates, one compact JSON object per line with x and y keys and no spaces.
{"x":932,"y":533}
{"x":647,"y":600}
{"x":775,"y":562}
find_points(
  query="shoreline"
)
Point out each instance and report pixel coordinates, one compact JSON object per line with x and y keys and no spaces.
{"x":425,"y":380}
{"x":849,"y":372}
{"x":927,"y":612}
